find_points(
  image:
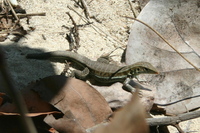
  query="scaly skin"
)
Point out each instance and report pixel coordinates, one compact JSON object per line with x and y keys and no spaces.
{"x":100,"y":72}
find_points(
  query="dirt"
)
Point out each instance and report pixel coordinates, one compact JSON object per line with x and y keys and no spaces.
{"x":108,"y":31}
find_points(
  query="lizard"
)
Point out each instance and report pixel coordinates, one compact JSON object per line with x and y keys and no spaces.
{"x":100,"y":72}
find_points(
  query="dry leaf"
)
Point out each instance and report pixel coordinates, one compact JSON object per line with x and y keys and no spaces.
{"x":82,"y":105}
{"x":178,"y":22}
{"x":39,"y":109}
{"x":10,"y":122}
{"x":33,"y":102}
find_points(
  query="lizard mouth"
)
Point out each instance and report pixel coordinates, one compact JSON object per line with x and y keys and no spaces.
{"x":157,"y":73}
{"x":154,"y":72}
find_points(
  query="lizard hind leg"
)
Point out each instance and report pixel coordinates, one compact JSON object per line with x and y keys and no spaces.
{"x":80,"y":74}
{"x":104,"y":59}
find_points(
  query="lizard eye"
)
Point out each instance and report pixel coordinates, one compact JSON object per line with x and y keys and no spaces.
{"x":138,"y":70}
{"x":141,"y":70}
{"x":146,"y":69}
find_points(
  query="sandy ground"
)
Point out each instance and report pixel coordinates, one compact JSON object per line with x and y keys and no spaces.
{"x":96,"y":39}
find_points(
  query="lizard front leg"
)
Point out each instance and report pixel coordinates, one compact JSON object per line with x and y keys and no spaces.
{"x":127,"y":87}
{"x":131,"y":86}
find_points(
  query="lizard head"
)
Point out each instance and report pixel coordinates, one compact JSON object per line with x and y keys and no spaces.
{"x":143,"y":67}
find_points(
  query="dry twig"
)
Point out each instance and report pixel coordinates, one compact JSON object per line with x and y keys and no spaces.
{"x":74,"y":31}
{"x":171,"y":120}
{"x":86,"y":9}
{"x":167,"y":120}
{"x":13,"y":11}
{"x":129,"y":1}
{"x":100,"y":31}
{"x":25,"y":15}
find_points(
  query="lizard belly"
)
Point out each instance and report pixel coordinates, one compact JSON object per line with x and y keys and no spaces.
{"x":107,"y":78}
{"x":106,"y":73}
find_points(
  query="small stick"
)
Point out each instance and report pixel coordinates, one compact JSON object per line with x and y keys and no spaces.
{"x":12,"y":32}
{"x":75,"y":30}
{"x":170,"y":120}
{"x":86,"y":9}
{"x":129,"y":1}
{"x":178,"y":128}
{"x":70,"y":39}
{"x":13,"y":11}
{"x":26,"y":15}
{"x":95,"y":28}
{"x":165,"y":41}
